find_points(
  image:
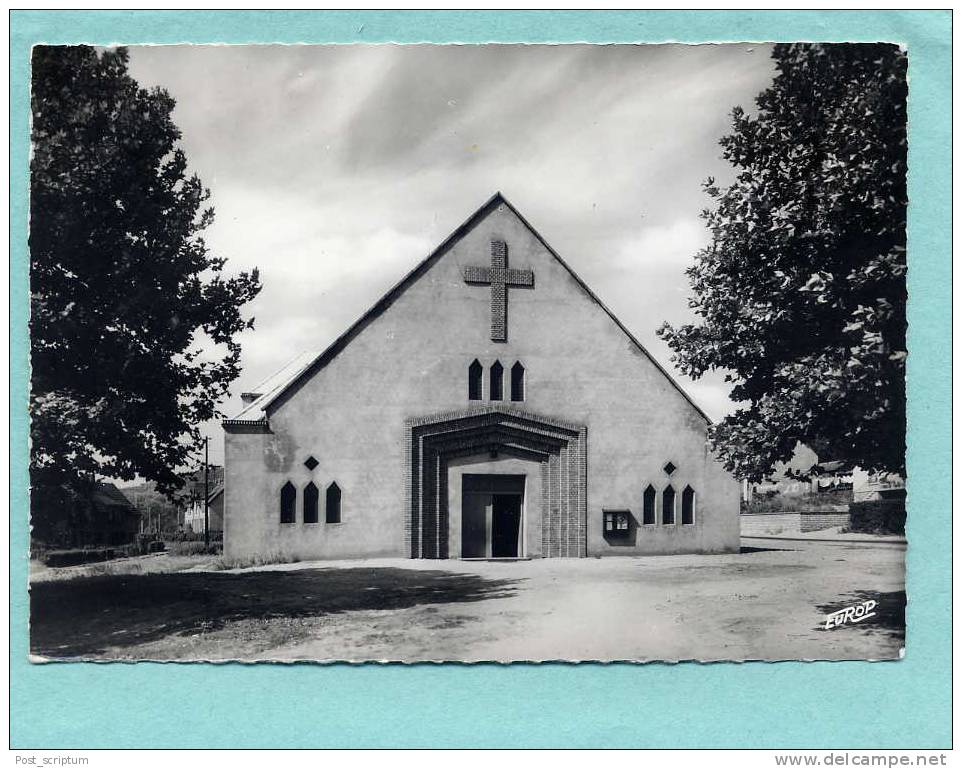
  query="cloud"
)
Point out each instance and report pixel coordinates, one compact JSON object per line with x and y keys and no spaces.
{"x":335,"y":169}
{"x":672,"y":244}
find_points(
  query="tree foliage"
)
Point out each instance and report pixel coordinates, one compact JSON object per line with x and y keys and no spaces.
{"x":133,"y":322}
{"x":801,"y":295}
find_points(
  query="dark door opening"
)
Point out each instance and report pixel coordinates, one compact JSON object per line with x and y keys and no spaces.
{"x":505,"y":525}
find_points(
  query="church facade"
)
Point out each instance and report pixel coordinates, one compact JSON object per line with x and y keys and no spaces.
{"x":488,"y":406}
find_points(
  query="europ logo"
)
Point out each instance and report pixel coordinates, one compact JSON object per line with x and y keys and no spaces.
{"x":858,"y":613}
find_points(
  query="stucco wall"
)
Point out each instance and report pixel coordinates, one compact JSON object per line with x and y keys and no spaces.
{"x":413,"y":359}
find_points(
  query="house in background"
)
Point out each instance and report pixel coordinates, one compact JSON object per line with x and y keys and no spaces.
{"x":194,"y":512}
{"x":832,"y":476}
{"x":113,"y":520}
{"x":870,"y":486}
{"x":65,"y":517}
{"x":782,"y":481}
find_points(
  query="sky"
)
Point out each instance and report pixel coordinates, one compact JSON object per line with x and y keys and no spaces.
{"x":335,"y":169}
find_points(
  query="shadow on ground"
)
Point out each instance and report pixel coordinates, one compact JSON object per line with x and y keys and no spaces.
{"x":745,"y":549}
{"x":889,"y":616}
{"x":85,"y":616}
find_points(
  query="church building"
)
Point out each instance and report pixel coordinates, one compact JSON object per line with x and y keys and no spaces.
{"x":488,"y":406}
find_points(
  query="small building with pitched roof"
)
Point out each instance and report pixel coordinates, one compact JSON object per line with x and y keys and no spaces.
{"x":194,"y":512}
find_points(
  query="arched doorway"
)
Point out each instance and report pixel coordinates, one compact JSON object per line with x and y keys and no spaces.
{"x":559,"y":448}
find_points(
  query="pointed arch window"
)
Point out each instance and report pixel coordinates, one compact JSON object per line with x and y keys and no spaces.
{"x":288,"y":503}
{"x":688,"y":506}
{"x":332,"y":507}
{"x":668,"y":505}
{"x":517,"y":382}
{"x":311,"y":496}
{"x":497,"y":381}
{"x":475,"y":375}
{"x":648,"y":510}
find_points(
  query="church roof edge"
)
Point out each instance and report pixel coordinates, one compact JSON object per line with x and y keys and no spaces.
{"x":253,"y":411}
{"x":380,"y":305}
{"x":272,"y":399}
{"x":608,"y":312}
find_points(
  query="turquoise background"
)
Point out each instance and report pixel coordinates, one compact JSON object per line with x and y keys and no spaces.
{"x":904,"y":704}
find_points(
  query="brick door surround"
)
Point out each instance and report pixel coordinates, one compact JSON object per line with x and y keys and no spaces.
{"x":560,"y":447}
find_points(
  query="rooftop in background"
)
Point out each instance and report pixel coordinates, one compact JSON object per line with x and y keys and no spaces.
{"x":106,"y":496}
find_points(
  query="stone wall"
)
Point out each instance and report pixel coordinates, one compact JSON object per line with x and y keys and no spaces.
{"x":774,"y":524}
{"x":818,"y":521}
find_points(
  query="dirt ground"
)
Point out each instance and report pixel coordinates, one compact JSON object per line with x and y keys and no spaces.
{"x":767,"y":602}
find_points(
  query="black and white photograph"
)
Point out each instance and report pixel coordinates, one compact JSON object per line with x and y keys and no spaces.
{"x":468,"y":353}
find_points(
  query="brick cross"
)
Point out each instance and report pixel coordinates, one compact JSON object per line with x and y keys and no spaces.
{"x":500,"y":278}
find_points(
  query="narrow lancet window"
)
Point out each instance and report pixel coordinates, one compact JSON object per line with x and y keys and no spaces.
{"x":288,"y":502}
{"x":310,"y":503}
{"x":688,"y":505}
{"x":668,"y":505}
{"x":517,"y":382}
{"x":497,"y":382}
{"x":332,"y":510}
{"x":648,"y":511}
{"x":475,"y":375}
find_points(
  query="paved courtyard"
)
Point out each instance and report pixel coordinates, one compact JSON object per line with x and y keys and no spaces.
{"x":767,"y":602}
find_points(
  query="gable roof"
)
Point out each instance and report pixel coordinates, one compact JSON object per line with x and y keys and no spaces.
{"x":269,"y":387}
{"x":293,"y":376}
{"x":106,"y":496}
